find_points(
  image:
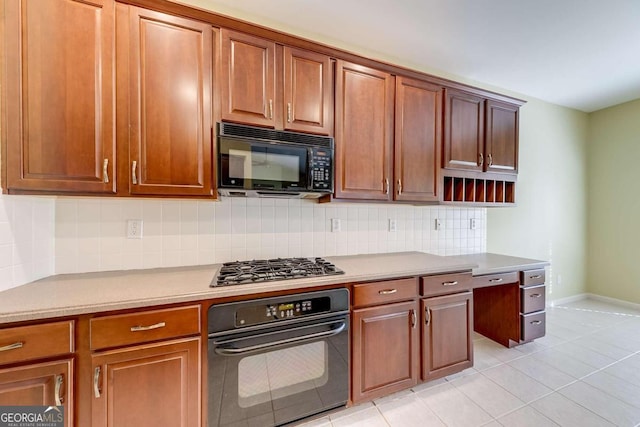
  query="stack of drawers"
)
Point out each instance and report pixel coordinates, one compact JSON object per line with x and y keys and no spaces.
{"x":532,"y":305}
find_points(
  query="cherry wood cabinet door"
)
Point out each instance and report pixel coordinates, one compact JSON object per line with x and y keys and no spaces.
{"x":463,"y":131}
{"x":248,"y":79}
{"x":58,"y":83}
{"x":502,"y":137}
{"x":447,"y":323}
{"x":148,"y":386}
{"x":363,"y":132}
{"x":170,"y":70}
{"x":308,"y":91}
{"x":42,"y":384}
{"x":385,"y":350}
{"x":418,"y":138}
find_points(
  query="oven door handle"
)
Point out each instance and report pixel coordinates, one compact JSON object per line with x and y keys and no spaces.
{"x":235,"y":351}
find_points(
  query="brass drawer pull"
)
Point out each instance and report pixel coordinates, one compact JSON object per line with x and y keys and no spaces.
{"x":288,"y":112}
{"x":387,"y":291}
{"x":59,"y":382}
{"x":537,"y":276}
{"x":134,"y":177}
{"x":414,"y":318}
{"x":14,"y":346}
{"x":96,"y":382}
{"x":455,"y":282}
{"x":427,"y":315}
{"x":498,"y":280}
{"x":536,"y":322}
{"x":535,"y":295}
{"x":105,"y":171}
{"x":148,"y":328}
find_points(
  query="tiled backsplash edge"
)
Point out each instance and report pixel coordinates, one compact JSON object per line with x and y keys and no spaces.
{"x":90,"y":233}
{"x":27,"y":226}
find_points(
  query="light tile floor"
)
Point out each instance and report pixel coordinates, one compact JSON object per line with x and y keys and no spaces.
{"x":584,"y":372}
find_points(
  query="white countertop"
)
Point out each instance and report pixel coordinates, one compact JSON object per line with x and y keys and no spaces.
{"x":74,"y":294}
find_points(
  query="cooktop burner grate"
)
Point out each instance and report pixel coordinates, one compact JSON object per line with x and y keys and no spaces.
{"x":241,"y":272}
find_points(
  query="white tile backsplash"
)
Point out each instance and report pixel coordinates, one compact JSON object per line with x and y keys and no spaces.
{"x":90,"y":233}
{"x":27,"y":229}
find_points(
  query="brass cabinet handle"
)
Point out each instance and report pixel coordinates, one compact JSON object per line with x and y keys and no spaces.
{"x":386,"y":186}
{"x":148,"y":328}
{"x":536,"y":322}
{"x":59,"y":382}
{"x":14,"y":346}
{"x":480,"y":159}
{"x":455,"y":282}
{"x":387,"y":291}
{"x":535,"y":295}
{"x":134,"y":178}
{"x":498,"y":280}
{"x":271,"y":109}
{"x":96,"y":382}
{"x":490,"y":157}
{"x":399,"y":187}
{"x":105,"y":171}
{"x":414,"y":318}
{"x":537,"y":276}
{"x":288,"y":112}
{"x":427,"y":315}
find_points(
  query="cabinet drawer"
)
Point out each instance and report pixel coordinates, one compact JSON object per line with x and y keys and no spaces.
{"x":533,"y":326}
{"x":34,"y":342}
{"x":532,"y":277}
{"x":136,"y":328}
{"x":532,"y":299}
{"x":495,"y":279}
{"x":445,"y":284}
{"x":384,"y":292}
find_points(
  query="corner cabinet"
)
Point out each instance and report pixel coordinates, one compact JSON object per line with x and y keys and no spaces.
{"x":165,"y":74}
{"x":31,"y":377}
{"x":363,"y":132}
{"x":58,"y":102}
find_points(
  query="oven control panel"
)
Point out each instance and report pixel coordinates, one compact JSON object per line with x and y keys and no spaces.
{"x":256,"y":314}
{"x":321,"y":169}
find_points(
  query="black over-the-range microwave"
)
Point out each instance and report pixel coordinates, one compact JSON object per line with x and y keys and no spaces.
{"x":258,"y":162}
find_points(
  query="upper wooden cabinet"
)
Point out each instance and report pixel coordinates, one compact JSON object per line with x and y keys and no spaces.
{"x":463,"y":131}
{"x":480,"y":134}
{"x":264,"y":84}
{"x":501,"y":136}
{"x":418,"y":140}
{"x":308,"y":91}
{"x":168,"y":80}
{"x":363,"y":132}
{"x":248,"y":84}
{"x":58,"y":79}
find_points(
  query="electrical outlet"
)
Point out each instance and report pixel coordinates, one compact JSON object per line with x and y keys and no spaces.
{"x":472,"y":224}
{"x":335,"y":225}
{"x":393,"y":225}
{"x":437,"y":224}
{"x":134,"y":229}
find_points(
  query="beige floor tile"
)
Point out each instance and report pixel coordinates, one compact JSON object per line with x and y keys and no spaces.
{"x":585,"y":355}
{"x":453,"y":407}
{"x":526,"y":417}
{"x":565,"y":412}
{"x":616,"y":387}
{"x":517,"y":383}
{"x":370,"y":417}
{"x":541,"y":372}
{"x":564,"y":362}
{"x":488,"y":395}
{"x":603,"y":404}
{"x":319,"y":422}
{"x":408,"y":411}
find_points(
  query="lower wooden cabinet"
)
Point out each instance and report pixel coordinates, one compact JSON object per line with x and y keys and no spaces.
{"x":447,"y":346}
{"x":39,"y":384}
{"x":155,"y":385}
{"x":385,"y":350}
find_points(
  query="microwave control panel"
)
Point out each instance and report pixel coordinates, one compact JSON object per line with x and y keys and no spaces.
{"x":321,"y":169}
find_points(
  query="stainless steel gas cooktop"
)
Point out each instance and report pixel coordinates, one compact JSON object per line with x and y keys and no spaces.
{"x":241,"y":272}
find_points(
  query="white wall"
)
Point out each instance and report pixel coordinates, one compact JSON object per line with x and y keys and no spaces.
{"x":91,"y":232}
{"x":26,"y":239}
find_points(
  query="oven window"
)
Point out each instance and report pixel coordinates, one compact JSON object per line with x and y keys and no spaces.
{"x":282,"y":373}
{"x":260,"y":164}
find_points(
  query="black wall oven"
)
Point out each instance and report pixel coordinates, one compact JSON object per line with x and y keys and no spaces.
{"x":276,"y":360}
{"x":263,"y":162}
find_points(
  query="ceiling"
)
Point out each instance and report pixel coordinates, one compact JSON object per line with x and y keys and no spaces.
{"x":583,"y":54}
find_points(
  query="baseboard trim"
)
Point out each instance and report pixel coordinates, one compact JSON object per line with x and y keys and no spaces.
{"x":579,"y":297}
